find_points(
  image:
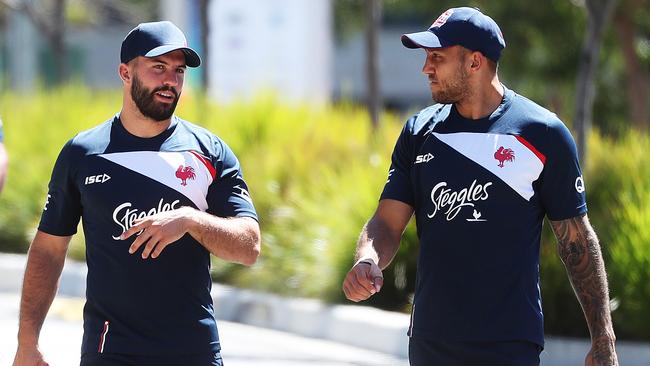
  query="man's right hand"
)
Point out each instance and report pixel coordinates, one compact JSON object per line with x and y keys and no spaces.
{"x":29,"y":356}
{"x":364,"y":280}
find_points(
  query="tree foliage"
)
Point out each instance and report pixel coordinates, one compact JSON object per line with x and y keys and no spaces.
{"x":544,"y":41}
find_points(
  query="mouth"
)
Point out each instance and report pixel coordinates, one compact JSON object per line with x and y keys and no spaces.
{"x":166,"y":96}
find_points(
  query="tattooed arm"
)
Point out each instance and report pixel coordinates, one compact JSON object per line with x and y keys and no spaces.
{"x":581,"y":255}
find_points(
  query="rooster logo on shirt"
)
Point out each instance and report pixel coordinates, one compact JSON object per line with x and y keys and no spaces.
{"x":184,"y":173}
{"x":503,"y":155}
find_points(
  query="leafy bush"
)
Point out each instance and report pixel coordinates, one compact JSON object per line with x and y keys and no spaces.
{"x":36,"y":127}
{"x":315,"y":175}
{"x":620,"y":177}
{"x":617,"y":176}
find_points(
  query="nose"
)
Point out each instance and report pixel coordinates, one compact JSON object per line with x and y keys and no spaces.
{"x":428,"y":68}
{"x":172,"y":78}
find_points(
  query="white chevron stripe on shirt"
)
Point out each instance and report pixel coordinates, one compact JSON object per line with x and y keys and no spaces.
{"x":518,"y":168}
{"x":171,"y":169}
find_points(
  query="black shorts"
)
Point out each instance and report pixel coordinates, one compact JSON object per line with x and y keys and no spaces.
{"x":115,"y":359}
{"x":427,"y":352}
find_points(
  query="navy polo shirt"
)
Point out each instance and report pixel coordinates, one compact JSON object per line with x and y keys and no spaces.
{"x":110,"y":178}
{"x":480,"y":190}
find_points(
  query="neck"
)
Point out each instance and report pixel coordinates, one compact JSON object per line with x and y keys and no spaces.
{"x":483,"y":100}
{"x":139,"y":125}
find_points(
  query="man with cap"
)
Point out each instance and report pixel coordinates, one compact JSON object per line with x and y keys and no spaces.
{"x":479,"y":170}
{"x":157,"y":195}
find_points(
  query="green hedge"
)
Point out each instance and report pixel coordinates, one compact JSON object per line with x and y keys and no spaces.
{"x":617,"y":176}
{"x":315,"y":175}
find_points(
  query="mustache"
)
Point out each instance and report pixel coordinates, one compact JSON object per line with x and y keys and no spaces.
{"x":166,"y":88}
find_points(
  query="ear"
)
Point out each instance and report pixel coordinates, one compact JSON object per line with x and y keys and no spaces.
{"x":476,"y":60}
{"x":124,"y":72}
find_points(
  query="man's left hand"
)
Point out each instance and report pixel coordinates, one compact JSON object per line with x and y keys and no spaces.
{"x":158,"y":231}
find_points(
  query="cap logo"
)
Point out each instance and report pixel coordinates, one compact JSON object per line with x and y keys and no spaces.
{"x":442,"y":19}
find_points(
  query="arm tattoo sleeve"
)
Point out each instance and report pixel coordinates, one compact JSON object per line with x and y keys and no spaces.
{"x":580,"y":252}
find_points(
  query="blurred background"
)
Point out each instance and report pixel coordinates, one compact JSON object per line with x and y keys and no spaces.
{"x":311,"y":96}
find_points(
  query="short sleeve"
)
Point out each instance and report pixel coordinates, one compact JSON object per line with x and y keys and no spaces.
{"x":398,"y":186}
{"x":228,"y":195}
{"x":562,"y":185}
{"x":62,"y":209}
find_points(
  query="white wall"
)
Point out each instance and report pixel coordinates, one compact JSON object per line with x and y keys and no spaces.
{"x":22,"y":42}
{"x":100,"y":49}
{"x":400,"y":70}
{"x":279,"y":45}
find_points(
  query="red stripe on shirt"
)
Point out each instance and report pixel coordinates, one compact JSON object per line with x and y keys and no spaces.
{"x":532,"y":148}
{"x":206,"y":162}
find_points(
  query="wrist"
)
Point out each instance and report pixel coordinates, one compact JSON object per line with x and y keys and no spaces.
{"x":190,"y":219}
{"x":369,"y":260}
{"x":607,"y":341}
{"x":27,"y":341}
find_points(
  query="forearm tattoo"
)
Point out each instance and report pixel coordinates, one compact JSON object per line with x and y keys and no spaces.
{"x":581,"y":255}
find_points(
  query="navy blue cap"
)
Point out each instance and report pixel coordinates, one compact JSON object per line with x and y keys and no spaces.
{"x":155,"y":39}
{"x":466,"y":27}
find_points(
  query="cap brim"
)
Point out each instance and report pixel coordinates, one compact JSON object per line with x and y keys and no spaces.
{"x":192,"y":58}
{"x":424,"y":39}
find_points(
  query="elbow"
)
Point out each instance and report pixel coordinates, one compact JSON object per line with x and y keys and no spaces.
{"x":254,"y":245}
{"x":252,"y":256}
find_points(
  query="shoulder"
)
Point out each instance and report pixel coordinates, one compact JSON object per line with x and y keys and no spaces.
{"x":210,"y":143}
{"x":540,"y":126}
{"x":94,"y":140}
{"x":534,"y":113}
{"x":89,"y":142}
{"x":423,"y":121}
{"x":194,"y":129}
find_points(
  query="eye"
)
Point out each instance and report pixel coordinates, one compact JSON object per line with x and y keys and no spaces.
{"x":180,"y":70}
{"x":159,"y":67}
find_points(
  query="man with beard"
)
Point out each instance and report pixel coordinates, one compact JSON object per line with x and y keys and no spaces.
{"x":480,"y":170}
{"x":157,"y":195}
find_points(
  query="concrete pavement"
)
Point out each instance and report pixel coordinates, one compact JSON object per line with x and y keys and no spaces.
{"x":378,"y":336}
{"x":243,"y":345}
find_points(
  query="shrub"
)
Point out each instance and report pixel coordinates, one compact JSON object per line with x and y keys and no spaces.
{"x":315,"y":175}
{"x":36,"y":127}
{"x":617,"y":176}
{"x":620,"y":179}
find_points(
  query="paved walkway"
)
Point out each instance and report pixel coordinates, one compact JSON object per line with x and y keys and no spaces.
{"x":243,"y":345}
{"x":264,"y":329}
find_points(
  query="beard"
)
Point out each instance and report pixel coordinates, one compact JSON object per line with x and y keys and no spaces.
{"x":454,"y":89}
{"x":144,"y":100}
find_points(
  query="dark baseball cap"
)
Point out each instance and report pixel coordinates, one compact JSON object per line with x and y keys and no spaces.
{"x":466,"y":27}
{"x":155,"y":39}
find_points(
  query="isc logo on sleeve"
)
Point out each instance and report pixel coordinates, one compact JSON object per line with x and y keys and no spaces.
{"x":99,"y":178}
